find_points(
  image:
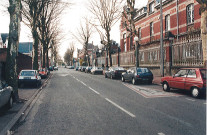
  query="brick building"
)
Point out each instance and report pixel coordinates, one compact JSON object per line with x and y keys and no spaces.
{"x":181,"y":33}
{"x":91,"y":50}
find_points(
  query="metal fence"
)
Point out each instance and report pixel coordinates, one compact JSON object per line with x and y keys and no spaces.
{"x":188,"y":52}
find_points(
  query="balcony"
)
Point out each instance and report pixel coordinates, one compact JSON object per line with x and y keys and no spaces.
{"x":164,"y":2}
{"x":140,"y":13}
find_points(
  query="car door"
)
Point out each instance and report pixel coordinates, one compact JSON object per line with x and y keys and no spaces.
{"x":126,"y":75}
{"x":178,"y":80}
{"x":131,"y":74}
{"x":5,"y":94}
{"x":192,"y":79}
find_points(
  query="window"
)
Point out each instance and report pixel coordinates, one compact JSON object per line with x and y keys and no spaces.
{"x":151,"y":29}
{"x":139,"y":33}
{"x":151,"y":7}
{"x":192,"y":74}
{"x":142,"y":56}
{"x":124,"y":36}
{"x":167,"y":22}
{"x":190,"y":14}
{"x":125,"y":47}
{"x":181,"y":73}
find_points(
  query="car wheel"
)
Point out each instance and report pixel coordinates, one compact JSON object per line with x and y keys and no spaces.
{"x":166,"y":86}
{"x":122,"y":79}
{"x":105,"y":76}
{"x":10,"y":102}
{"x":195,"y":92}
{"x":133,"y":81}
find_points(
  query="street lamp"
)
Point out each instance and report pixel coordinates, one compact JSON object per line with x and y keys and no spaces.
{"x":136,"y":39}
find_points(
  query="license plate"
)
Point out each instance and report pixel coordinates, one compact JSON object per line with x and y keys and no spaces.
{"x":27,"y":77}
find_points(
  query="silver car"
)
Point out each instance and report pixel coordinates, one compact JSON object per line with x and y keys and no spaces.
{"x":6,"y":95}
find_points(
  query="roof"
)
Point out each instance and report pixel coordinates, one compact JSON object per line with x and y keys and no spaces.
{"x":25,"y":47}
{"x":4,"y":36}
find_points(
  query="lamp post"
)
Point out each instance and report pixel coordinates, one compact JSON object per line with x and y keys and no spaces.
{"x":136,"y":39}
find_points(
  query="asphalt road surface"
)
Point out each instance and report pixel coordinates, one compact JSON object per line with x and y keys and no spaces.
{"x":76,"y":103}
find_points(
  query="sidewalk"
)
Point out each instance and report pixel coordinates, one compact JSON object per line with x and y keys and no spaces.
{"x":9,"y":117}
{"x":157,"y":80}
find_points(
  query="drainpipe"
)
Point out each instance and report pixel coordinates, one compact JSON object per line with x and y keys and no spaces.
{"x":177,"y":3}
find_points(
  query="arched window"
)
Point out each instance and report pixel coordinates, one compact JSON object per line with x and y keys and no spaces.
{"x":190,"y":13}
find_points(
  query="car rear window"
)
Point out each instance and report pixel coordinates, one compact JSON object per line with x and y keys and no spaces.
{"x":143,"y":70}
{"x":27,"y":73}
{"x":203,"y":73}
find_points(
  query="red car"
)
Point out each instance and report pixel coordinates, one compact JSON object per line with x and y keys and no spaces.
{"x":43,"y":72}
{"x":193,"y":79}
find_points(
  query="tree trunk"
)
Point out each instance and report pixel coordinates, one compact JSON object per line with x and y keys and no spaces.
{"x":13,"y":43}
{"x":35,"y":47}
{"x":204,"y":35}
{"x":43,"y":58}
{"x":47,"y":57}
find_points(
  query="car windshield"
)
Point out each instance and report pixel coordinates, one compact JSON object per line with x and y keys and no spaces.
{"x":143,"y":70}
{"x":203,"y":73}
{"x":27,"y":73}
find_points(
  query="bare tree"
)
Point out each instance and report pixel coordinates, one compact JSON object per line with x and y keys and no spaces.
{"x":106,"y":14}
{"x":129,"y":15}
{"x":43,"y":17}
{"x":84,"y":33}
{"x":68,"y":57}
{"x":13,"y":43}
{"x":31,"y":14}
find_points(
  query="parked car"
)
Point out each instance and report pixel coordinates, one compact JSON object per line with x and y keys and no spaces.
{"x":83,"y":68}
{"x":71,"y":67}
{"x":96,"y":70}
{"x":56,"y":68}
{"x":29,"y":77}
{"x":6,"y":95}
{"x":80,"y":67}
{"x":88,"y":69}
{"x":50,"y":68}
{"x":191,"y":79}
{"x":138,"y":75}
{"x":77,"y":68}
{"x":43,"y":72}
{"x":114,"y":72}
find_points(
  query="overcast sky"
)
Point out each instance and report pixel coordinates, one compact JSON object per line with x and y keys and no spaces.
{"x":70,"y":22}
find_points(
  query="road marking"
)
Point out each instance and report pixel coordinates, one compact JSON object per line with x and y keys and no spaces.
{"x":161,"y":133}
{"x":127,"y":112}
{"x":204,"y":103}
{"x":190,"y":99}
{"x":94,"y":91}
{"x":83,"y":83}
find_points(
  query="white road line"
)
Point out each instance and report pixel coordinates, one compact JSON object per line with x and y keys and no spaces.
{"x":190,"y":99}
{"x":83,"y":83}
{"x":94,"y":91}
{"x":161,"y":134}
{"x":204,"y":103}
{"x":127,"y":112}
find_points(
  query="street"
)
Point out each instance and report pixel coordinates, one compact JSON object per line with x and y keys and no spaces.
{"x":77,"y":103}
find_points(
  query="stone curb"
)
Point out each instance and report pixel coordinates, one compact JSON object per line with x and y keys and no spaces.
{"x":6,"y":130}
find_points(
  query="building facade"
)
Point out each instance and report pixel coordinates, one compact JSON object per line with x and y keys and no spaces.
{"x":181,"y":36}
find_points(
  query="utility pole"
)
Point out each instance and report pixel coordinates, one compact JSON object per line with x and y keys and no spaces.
{"x":161,"y":42}
{"x":13,"y":44}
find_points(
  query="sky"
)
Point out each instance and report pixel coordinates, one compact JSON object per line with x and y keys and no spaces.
{"x":70,"y":21}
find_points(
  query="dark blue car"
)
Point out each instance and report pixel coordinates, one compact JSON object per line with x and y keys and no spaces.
{"x":138,"y":75}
